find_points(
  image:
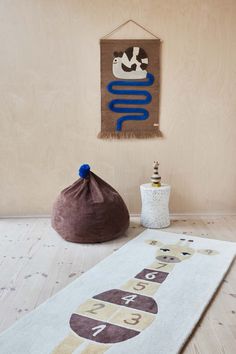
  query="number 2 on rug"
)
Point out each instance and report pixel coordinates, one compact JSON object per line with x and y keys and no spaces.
{"x":96,"y":307}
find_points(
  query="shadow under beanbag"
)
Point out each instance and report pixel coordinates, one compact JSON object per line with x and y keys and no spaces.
{"x":90,"y":210}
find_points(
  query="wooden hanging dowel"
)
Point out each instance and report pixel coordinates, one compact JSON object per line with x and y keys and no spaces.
{"x":125,"y":23}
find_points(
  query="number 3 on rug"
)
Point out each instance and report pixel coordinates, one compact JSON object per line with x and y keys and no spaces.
{"x":134,"y":320}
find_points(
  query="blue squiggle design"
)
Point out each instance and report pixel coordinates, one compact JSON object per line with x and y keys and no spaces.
{"x":142,"y":113}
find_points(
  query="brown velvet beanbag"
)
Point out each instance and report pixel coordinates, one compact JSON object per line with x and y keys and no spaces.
{"x":89,"y":210}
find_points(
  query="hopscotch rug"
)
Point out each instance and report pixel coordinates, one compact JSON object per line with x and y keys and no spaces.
{"x":145,"y":298}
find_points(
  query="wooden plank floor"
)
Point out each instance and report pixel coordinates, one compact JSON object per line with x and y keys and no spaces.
{"x":36,"y":263}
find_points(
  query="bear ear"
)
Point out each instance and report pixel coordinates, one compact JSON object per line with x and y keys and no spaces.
{"x":208,"y":252}
{"x":120,"y":54}
{"x":154,"y":243}
{"x":115,"y":54}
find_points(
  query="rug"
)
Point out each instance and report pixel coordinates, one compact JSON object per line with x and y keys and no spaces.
{"x":153,"y":289}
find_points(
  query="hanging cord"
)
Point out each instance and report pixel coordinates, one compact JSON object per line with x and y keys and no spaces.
{"x":125,"y":23}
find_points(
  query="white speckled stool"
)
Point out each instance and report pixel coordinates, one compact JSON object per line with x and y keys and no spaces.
{"x":155,"y":206}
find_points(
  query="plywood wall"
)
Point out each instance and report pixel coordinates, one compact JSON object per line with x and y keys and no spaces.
{"x":50,"y":102}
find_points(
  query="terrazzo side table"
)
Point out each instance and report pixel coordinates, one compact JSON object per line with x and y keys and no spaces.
{"x":155,"y":206}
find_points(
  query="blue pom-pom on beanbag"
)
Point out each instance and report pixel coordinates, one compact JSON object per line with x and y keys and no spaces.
{"x":84,"y":171}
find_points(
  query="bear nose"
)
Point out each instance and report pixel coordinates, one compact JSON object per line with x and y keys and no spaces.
{"x":168,"y":259}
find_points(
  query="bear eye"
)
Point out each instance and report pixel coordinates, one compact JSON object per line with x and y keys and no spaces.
{"x":164,"y":249}
{"x":185,"y":253}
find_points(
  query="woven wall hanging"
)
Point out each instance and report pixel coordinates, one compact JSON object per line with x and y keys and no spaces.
{"x":130,"y":87}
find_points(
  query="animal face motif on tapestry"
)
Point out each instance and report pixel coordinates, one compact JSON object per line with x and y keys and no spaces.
{"x":130,"y":64}
{"x":120,"y":314}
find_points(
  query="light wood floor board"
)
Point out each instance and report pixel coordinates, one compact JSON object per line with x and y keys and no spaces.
{"x":36,"y":263}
